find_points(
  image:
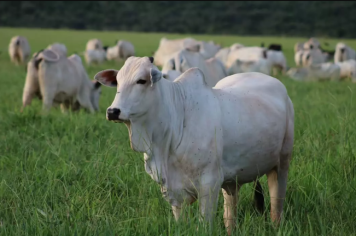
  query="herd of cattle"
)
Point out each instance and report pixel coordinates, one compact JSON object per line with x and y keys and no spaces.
{"x":206,"y":121}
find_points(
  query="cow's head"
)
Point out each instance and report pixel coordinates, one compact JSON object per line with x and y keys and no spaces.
{"x":135,"y":83}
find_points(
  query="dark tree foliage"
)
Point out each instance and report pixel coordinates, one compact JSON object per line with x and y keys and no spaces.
{"x":288,"y":18}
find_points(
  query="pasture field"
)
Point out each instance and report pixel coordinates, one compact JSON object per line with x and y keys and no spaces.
{"x":75,"y":174}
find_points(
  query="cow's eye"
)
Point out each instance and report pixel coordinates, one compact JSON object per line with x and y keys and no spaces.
{"x":141,"y":81}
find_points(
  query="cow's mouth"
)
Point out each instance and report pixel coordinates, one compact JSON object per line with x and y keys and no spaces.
{"x":115,"y":119}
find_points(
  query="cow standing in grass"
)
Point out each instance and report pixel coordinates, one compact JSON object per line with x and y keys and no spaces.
{"x":19,"y":50}
{"x":198,"y":139}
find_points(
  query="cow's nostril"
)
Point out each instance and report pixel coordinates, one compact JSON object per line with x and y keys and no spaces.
{"x":116,"y":111}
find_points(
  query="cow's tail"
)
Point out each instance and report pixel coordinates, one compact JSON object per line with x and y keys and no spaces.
{"x":259,"y":198}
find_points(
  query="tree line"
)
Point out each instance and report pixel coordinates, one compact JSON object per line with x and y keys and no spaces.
{"x":279,"y":18}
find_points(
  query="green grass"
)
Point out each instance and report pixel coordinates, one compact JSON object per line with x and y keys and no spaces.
{"x":75,"y":174}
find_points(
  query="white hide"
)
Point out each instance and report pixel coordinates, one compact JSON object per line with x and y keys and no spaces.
{"x":261,"y":65}
{"x":278,"y":61}
{"x":59,"y":48}
{"x":298,"y":47}
{"x":94,"y":44}
{"x":246,"y":54}
{"x":347,"y":69}
{"x":168,"y":47}
{"x":343,"y":53}
{"x":313,"y":57}
{"x":97,"y":56}
{"x":213,"y":69}
{"x":19,"y":50}
{"x":208,"y":49}
{"x":60,"y":80}
{"x":223,"y":55}
{"x":319,"y":72}
{"x":198,"y":139}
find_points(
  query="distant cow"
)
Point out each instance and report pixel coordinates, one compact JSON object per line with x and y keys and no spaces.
{"x":59,"y":80}
{"x":19,"y":50}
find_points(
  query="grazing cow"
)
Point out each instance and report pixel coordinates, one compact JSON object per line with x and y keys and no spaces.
{"x":19,"y":50}
{"x":261,"y":65}
{"x":121,"y":51}
{"x":208,"y":49}
{"x":347,"y":69}
{"x":223,"y":55}
{"x":246,"y":54}
{"x":298,"y":58}
{"x":311,"y":44}
{"x":167,"y":48}
{"x":96,"y":56}
{"x":318,"y":72}
{"x":94,"y":44}
{"x":277,"y":60}
{"x":343,"y":53}
{"x":198,"y":139}
{"x":236,"y":46}
{"x":313,"y":57}
{"x":59,"y":80}
{"x":212,"y":68}
{"x":298,"y":47}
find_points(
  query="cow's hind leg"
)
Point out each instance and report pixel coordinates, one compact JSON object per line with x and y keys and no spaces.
{"x":277,"y":177}
{"x":230,"y":193}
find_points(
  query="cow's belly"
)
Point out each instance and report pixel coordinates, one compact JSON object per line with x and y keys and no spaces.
{"x":62,"y":97}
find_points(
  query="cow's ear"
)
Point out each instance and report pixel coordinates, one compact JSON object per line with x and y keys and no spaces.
{"x":155,"y":75}
{"x":107,"y":77}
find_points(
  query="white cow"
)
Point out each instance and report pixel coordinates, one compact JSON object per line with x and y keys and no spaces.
{"x":212,"y":68}
{"x":298,"y":57}
{"x":198,"y":139}
{"x":343,"y":53}
{"x":236,"y":46}
{"x":278,"y":61}
{"x":121,"y":51}
{"x":246,"y":54}
{"x":260,"y":65}
{"x":313,"y":57}
{"x":208,"y":49}
{"x":298,"y":47}
{"x":95,"y":56}
{"x":319,"y":72}
{"x":311,"y":44}
{"x":223,"y":55}
{"x":93,"y":44}
{"x":59,"y":80}
{"x":167,"y":48}
{"x":19,"y":50}
{"x":347,"y":69}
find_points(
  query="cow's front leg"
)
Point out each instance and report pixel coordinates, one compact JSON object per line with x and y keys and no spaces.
{"x":176,"y":212}
{"x":208,"y":200}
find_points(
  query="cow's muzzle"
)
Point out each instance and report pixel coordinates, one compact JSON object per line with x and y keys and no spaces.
{"x":112,"y":114}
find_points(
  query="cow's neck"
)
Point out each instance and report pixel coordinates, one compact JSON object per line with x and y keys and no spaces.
{"x":162,"y":125}
{"x":159,"y":132}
